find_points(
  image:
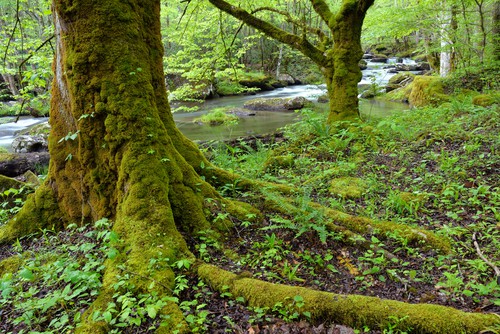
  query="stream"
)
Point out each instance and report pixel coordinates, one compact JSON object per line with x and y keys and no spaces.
{"x":262,"y":122}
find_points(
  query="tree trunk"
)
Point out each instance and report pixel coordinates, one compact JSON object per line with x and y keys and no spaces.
{"x":115,"y":150}
{"x":342,"y":82}
{"x":337,"y":58}
{"x":496,"y":31}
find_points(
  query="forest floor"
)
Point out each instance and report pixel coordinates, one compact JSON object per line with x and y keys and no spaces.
{"x":432,"y":168}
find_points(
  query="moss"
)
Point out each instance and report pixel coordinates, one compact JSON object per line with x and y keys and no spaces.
{"x":39,"y":211}
{"x":280,"y":161}
{"x":350,"y":310}
{"x":348,"y":187}
{"x":8,"y":183}
{"x":401,"y":94}
{"x":485,"y":100}
{"x":218,"y":116}
{"x":427,"y":90}
{"x":10,"y":265}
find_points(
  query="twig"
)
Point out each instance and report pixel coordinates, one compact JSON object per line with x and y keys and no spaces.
{"x":11,"y":37}
{"x":481,"y":255}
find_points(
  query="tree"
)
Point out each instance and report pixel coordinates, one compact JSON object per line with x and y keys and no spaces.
{"x":337,"y":51}
{"x":116,"y":153}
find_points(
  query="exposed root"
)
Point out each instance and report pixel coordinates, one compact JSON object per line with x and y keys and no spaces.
{"x":349,"y":310}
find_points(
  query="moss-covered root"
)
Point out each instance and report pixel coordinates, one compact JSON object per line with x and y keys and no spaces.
{"x":39,"y":211}
{"x":352,"y":226}
{"x":351,"y":310}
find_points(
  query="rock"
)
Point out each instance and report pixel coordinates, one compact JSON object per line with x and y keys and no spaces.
{"x":12,"y":164}
{"x":367,"y":56}
{"x":287,"y":78}
{"x":323,"y":98}
{"x":28,"y":143}
{"x":427,"y":90}
{"x":379,"y":58}
{"x":367,"y":94}
{"x":363,"y":65}
{"x":242,"y":112}
{"x":412,"y":67}
{"x":399,"y":80}
{"x":276,"y":104}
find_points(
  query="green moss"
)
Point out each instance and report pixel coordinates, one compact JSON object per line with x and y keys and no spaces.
{"x":348,"y":187}
{"x":39,"y":211}
{"x":350,"y":310}
{"x":217,"y":116}
{"x":227,"y":87}
{"x":10,"y":265}
{"x":8,"y":183}
{"x":427,"y":90}
{"x":279,"y":161}
{"x":485,"y":100}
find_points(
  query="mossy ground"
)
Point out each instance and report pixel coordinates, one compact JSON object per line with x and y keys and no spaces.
{"x":436,"y":172}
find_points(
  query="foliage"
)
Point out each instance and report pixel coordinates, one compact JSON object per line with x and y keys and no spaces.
{"x":27,"y":52}
{"x":217,"y":116}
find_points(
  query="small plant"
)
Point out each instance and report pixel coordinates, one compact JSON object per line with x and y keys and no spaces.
{"x":217,"y":116}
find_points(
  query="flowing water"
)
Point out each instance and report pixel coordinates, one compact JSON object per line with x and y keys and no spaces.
{"x":262,"y":122}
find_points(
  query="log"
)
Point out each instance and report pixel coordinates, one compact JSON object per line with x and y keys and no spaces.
{"x":14,"y":164}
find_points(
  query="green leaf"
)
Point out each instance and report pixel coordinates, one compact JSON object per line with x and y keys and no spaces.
{"x":27,"y":274}
{"x":151,"y":311}
{"x":107,"y":316}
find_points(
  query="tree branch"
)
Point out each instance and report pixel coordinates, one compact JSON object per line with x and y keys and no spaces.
{"x":322,"y":9}
{"x":293,"y":21}
{"x":296,"y":42}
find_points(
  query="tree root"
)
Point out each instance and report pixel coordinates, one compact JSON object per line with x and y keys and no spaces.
{"x":349,"y":310}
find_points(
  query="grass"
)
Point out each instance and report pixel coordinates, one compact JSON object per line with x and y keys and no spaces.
{"x":435,"y":168}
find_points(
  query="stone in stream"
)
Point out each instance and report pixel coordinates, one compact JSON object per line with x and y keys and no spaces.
{"x":276,"y":104}
{"x":29,"y":143}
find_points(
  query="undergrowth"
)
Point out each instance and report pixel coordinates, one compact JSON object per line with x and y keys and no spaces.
{"x":434,"y":168}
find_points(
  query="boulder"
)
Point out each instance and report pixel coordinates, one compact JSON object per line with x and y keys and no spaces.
{"x":427,"y":90}
{"x":286,"y":78}
{"x":399,"y":80}
{"x":323,"y":98}
{"x":276,"y":104}
{"x":29,"y":143}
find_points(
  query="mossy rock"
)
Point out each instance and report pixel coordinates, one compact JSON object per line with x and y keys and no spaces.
{"x":37,"y":129}
{"x":262,"y":82}
{"x":485,"y":100}
{"x":427,"y":90}
{"x":279,"y":161}
{"x":402,"y":79}
{"x":401,"y":94}
{"x":276,"y":104}
{"x":348,"y":187}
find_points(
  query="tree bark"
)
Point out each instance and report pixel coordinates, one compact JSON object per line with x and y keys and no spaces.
{"x":115,"y":150}
{"x":496,"y":31}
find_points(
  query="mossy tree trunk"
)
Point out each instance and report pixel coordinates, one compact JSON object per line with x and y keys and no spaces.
{"x":116,"y":153}
{"x":337,"y":50}
{"x":115,"y":150}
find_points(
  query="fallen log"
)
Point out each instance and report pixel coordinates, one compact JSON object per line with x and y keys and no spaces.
{"x":14,"y":164}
